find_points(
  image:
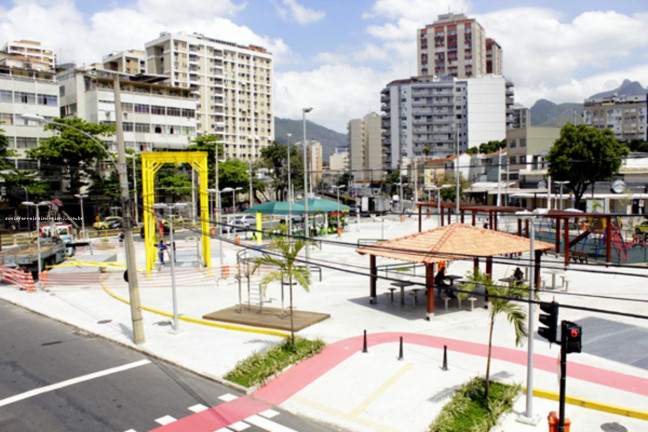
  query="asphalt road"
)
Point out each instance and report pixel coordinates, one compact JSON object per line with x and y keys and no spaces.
{"x":54,"y":377}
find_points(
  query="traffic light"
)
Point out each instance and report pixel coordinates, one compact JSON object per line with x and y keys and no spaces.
{"x":550,"y":320}
{"x":572,"y":335}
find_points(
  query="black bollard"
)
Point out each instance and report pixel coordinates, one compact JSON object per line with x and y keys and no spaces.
{"x":400,"y":351}
{"x":364,"y":345}
{"x":445,"y":358}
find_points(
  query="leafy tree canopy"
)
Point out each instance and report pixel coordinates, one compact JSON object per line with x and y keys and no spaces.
{"x":583,"y":155}
{"x":209,"y":143}
{"x":275,"y":157}
{"x":73,"y":151}
{"x":488,"y":147}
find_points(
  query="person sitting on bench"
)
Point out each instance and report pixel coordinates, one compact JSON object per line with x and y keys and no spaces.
{"x":518,"y":276}
{"x":441,"y":281}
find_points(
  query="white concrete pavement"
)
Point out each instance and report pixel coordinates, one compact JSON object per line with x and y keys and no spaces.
{"x":372,"y":391}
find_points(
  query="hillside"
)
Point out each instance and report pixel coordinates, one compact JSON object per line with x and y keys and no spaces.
{"x":547,"y":113}
{"x":330,"y":139}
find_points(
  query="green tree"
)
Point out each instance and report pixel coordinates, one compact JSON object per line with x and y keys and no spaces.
{"x":233,"y":173}
{"x":275,"y":157}
{"x":449,"y":194}
{"x":72,"y":152}
{"x":583,"y":155}
{"x":173,"y":181}
{"x":209,"y":143}
{"x":283,"y":255}
{"x":500,"y":304}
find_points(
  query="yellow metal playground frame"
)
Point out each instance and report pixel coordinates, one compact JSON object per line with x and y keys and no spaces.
{"x":151,"y":163}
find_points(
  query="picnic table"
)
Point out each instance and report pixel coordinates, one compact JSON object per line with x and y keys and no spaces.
{"x":402,"y":284}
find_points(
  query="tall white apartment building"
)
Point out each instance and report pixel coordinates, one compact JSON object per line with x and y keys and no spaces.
{"x":421,"y":115}
{"x":155,"y":115}
{"x":339,"y":161}
{"x":365,"y":148}
{"x":131,"y":62}
{"x":455,"y":45}
{"x":626,"y":116}
{"x":24,"y":89}
{"x":314,"y":160}
{"x":31,"y":51}
{"x":232,"y":85}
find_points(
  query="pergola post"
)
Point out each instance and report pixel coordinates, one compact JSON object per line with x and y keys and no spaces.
{"x":373,"y":278}
{"x":519,"y":224}
{"x":489,"y":272}
{"x":474,"y":218}
{"x":538,"y":258}
{"x":526,"y":228}
{"x":475,"y":264}
{"x":608,"y":239}
{"x":442,"y":214}
{"x":420,"y":218}
{"x":449,"y":218}
{"x":429,"y":283}
{"x":495,"y":218}
{"x":566,"y":242}
{"x":557,"y":234}
{"x":462,"y":216}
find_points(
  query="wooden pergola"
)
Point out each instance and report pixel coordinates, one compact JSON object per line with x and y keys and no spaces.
{"x":561,"y":221}
{"x":453,"y":242}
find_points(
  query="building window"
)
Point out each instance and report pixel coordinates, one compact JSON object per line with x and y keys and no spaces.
{"x":6,"y":118}
{"x":25,"y":98}
{"x":173,"y":111}
{"x":189,"y":113}
{"x":26,"y":142}
{"x":49,"y":100}
{"x":141,"y":108}
{"x":6,"y":96}
{"x":142,"y":127}
{"x":158,"y":110}
{"x":127,"y":127}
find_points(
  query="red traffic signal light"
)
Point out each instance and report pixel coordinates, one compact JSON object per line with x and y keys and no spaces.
{"x":550,"y":320}
{"x":572,"y":337}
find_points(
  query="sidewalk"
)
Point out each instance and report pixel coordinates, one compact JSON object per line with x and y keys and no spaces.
{"x":344,"y":387}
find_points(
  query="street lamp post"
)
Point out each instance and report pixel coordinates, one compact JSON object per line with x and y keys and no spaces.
{"x":80,"y":196}
{"x":438,"y":191}
{"x":288,"y":135}
{"x":218,"y":222}
{"x":338,"y":202}
{"x":531,"y":217}
{"x":171,"y":209}
{"x":457,"y":197}
{"x":306,"y":222}
{"x":38,"y":236}
{"x":131,"y":265}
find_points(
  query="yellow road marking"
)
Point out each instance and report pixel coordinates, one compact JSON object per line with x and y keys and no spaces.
{"x":382,"y":389}
{"x":599,"y":406}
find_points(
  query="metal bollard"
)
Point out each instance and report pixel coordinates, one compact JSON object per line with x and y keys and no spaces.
{"x":400,"y":350}
{"x":445,"y":358}
{"x":364,"y":345}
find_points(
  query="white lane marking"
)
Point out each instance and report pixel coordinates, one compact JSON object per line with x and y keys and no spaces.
{"x":165,"y":420}
{"x":239,"y":426}
{"x":268,"y":425}
{"x":227,"y":397}
{"x":70,"y":382}
{"x":131,"y":430}
{"x":224,"y":430}
{"x":269,"y":413}
{"x":198,"y":408}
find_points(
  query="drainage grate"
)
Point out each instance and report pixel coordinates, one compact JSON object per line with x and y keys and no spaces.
{"x":613,"y":427}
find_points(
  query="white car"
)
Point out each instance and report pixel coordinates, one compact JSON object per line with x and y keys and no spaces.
{"x":241,"y":223}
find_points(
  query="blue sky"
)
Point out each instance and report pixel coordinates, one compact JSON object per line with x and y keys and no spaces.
{"x":336,"y":55}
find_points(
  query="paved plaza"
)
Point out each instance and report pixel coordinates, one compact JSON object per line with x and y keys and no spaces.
{"x":372,"y":391}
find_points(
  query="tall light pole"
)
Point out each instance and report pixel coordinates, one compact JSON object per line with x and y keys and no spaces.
{"x":499,"y":178}
{"x":131,"y":265}
{"x":171,"y":209}
{"x":306,"y":222}
{"x":220,"y":232}
{"x":457,"y":198}
{"x":438,"y":191}
{"x":38,"y":236}
{"x":531,"y":217}
{"x":80,"y":196}
{"x":338,"y":202}
{"x":288,"y":135}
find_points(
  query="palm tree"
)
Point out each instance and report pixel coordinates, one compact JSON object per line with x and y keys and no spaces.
{"x":500,"y":304}
{"x":283,"y":257}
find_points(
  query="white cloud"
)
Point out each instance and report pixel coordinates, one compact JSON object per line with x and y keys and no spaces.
{"x":330,"y":58}
{"x":60,"y":26}
{"x":300,"y":14}
{"x":416,"y":10}
{"x":337,"y":93}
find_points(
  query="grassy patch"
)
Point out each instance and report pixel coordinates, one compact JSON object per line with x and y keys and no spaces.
{"x":469,"y":411}
{"x":257,"y":368}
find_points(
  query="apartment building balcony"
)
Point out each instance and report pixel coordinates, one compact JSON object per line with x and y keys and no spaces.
{"x":385,"y":108}
{"x":384,"y":98}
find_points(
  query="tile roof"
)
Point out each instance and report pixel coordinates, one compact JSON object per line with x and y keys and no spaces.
{"x":450,"y":243}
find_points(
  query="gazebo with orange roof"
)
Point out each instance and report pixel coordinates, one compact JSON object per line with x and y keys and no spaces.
{"x":449,"y":243}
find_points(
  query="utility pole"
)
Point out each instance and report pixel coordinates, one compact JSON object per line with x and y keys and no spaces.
{"x":127,"y":224}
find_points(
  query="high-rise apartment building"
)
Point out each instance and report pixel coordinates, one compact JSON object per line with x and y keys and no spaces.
{"x":130,"y":62}
{"x":435,"y":117}
{"x":365,"y":148}
{"x":232,"y":85}
{"x":455,"y":45}
{"x":339,"y":161}
{"x":31,"y":51}
{"x":626,"y":116}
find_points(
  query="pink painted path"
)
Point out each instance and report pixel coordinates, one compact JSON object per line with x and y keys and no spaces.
{"x":296,"y":378}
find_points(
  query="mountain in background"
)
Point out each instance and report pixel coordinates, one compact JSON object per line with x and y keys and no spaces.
{"x":547,"y":113}
{"x":329,"y":138}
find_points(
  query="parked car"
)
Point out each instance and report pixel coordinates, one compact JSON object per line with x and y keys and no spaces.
{"x":240,"y":223}
{"x":110,"y":222}
{"x":642,"y":228}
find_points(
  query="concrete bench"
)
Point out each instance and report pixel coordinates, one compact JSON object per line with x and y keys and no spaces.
{"x":472,"y":301}
{"x":579,"y":256}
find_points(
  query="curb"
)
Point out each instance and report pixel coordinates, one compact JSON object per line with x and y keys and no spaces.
{"x":201,"y":321}
{"x":594,"y":405}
